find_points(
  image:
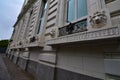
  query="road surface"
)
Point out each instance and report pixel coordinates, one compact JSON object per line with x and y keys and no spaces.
{"x":10,"y":71}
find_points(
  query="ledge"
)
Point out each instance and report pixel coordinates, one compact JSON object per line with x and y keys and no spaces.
{"x":34,"y":44}
{"x":24,"y":10}
{"x":86,"y":36}
{"x":30,"y":45}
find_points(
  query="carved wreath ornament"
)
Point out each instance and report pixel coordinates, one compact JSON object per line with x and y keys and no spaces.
{"x":99,"y":19}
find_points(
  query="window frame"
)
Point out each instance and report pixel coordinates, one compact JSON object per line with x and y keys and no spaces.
{"x":63,"y":29}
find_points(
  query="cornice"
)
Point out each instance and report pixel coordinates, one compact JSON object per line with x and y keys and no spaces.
{"x":24,"y":10}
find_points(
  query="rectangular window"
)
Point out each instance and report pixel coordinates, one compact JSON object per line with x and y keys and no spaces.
{"x":42,"y":16}
{"x":76,"y":9}
{"x":81,"y":8}
{"x":71,"y":10}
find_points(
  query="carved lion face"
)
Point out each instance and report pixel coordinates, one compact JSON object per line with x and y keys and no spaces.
{"x":98,"y":18}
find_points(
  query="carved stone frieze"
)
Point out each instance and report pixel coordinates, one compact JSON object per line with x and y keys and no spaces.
{"x":99,"y":34}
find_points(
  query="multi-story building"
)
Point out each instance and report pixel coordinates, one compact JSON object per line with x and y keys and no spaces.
{"x":68,"y":39}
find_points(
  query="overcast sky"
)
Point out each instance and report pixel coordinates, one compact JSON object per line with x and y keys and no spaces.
{"x":9,"y":10}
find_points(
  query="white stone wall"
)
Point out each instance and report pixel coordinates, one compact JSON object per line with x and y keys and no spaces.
{"x":34,"y":54}
{"x":34,"y":18}
{"x":114,"y":6}
{"x":87,"y":60}
{"x":51,"y":22}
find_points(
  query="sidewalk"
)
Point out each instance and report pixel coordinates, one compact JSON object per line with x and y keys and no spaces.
{"x":15,"y":72}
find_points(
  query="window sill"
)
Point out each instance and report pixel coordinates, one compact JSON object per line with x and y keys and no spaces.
{"x":34,"y":44}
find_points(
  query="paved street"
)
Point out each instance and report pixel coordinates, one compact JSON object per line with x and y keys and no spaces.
{"x":4,"y":75}
{"x":10,"y":71}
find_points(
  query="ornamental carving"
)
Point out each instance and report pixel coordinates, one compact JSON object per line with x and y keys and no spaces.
{"x":32,"y":39}
{"x":98,"y":20}
{"x":52,"y":33}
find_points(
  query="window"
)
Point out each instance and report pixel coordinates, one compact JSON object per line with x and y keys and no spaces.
{"x":42,"y":16}
{"x":71,"y":13}
{"x":76,"y":9}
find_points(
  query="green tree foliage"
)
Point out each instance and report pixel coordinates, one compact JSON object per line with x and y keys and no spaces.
{"x":3,"y":43}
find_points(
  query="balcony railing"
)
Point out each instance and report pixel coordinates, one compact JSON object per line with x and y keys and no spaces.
{"x":73,"y":28}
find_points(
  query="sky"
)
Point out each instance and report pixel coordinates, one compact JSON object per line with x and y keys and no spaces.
{"x":9,"y":11}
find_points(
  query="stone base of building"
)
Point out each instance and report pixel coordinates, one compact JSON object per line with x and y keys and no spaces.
{"x":15,"y":59}
{"x":40,"y":71}
{"x":45,"y":72}
{"x":22,"y":63}
{"x":62,"y":74}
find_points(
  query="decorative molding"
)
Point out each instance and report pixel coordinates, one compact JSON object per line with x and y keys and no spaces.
{"x":98,"y":20}
{"x":52,"y":33}
{"x":84,"y":36}
{"x":32,"y":39}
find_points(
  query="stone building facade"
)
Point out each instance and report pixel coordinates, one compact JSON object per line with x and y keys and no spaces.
{"x":68,"y":39}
